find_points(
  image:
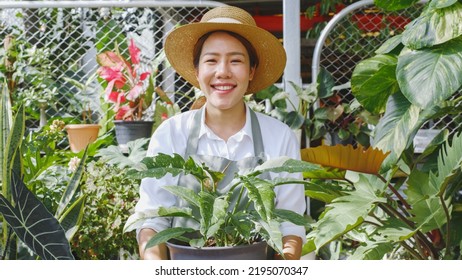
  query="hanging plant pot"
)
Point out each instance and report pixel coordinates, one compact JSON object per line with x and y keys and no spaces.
{"x":127,"y":131}
{"x":256,"y":251}
{"x":80,"y":135}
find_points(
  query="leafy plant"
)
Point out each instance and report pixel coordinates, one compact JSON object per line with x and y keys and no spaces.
{"x":126,"y":86}
{"x":408,"y":65}
{"x":110,"y":198}
{"x":408,"y":213}
{"x":410,"y":207}
{"x":219,"y":223}
{"x":23,"y":212}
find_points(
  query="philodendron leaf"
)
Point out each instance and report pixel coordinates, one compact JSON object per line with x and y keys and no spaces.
{"x":286,"y":164}
{"x":206,"y":204}
{"x":347,"y":212}
{"x":185,"y":193}
{"x":434,"y":26}
{"x":290,"y":216}
{"x":138,"y":218}
{"x":442,"y":3}
{"x":395,"y":230}
{"x":449,"y":163}
{"x":374,"y":80}
{"x":323,"y":191}
{"x":372,"y":250}
{"x":437,"y":72}
{"x":390,"y":45}
{"x":394,"y":5}
{"x":260,"y":200}
{"x":114,"y":155}
{"x":397,"y":125}
{"x":33,"y":224}
{"x":220,"y":207}
{"x":272,"y":234}
{"x":429,"y":213}
{"x":168,"y":234}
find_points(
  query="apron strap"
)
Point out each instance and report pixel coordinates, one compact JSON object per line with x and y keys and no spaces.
{"x":193,"y":137}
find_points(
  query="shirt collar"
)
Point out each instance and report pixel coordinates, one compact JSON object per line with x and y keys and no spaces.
{"x":245,"y":131}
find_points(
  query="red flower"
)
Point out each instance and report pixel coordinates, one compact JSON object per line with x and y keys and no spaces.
{"x":125,"y":87}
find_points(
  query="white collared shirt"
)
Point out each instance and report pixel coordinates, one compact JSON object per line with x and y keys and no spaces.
{"x":171,"y":137}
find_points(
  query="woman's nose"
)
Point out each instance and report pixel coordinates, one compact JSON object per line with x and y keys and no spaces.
{"x":223,"y":70}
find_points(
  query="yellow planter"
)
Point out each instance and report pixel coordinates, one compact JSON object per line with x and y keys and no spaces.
{"x":80,"y":135}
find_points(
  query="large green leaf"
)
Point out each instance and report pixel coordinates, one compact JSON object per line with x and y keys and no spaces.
{"x":220,"y":207}
{"x":166,"y":235}
{"x":394,"y":5}
{"x":286,"y":164}
{"x":163,"y":164}
{"x":390,"y":45}
{"x":429,"y":214}
{"x":323,"y":191}
{"x":372,"y":250}
{"x":290,"y":216}
{"x":33,"y":224}
{"x":114,"y":155}
{"x":395,"y":230}
{"x":449,"y":163}
{"x":397,"y":125}
{"x":271,"y":233}
{"x":185,"y":193}
{"x":374,"y":80}
{"x":418,"y":187}
{"x":434,"y":26}
{"x":428,"y":76}
{"x":262,"y":198}
{"x":206,"y":203}
{"x":347,"y":212}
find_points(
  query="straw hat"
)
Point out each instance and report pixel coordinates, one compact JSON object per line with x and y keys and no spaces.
{"x":179,"y":45}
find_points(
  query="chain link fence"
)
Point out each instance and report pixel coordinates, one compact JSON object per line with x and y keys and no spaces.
{"x":356,"y":37}
{"x":53,"y":53}
{"x":55,"y":56}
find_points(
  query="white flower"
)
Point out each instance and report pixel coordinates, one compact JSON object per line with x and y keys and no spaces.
{"x":73,"y":164}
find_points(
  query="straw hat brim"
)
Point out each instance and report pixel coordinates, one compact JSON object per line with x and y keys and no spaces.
{"x":179,"y":47}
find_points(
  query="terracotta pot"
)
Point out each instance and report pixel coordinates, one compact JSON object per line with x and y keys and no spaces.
{"x":80,"y":135}
{"x":256,"y":251}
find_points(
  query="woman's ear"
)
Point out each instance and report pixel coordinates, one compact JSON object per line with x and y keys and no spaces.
{"x":252,"y":73}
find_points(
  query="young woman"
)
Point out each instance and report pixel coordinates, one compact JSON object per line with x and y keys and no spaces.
{"x":227,"y":56}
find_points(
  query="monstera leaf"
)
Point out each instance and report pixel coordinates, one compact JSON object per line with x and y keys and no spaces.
{"x":33,"y":224}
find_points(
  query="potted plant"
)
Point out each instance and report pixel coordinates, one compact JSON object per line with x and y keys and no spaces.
{"x":130,"y":90}
{"x":218,"y":224}
{"x":409,"y":207}
{"x":83,"y":134}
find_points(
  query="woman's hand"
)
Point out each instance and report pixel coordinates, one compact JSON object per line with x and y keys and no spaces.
{"x":158,"y":252}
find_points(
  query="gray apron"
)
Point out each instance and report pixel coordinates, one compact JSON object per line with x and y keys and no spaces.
{"x":216,"y":163}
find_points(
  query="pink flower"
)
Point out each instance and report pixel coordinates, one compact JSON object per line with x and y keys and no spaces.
{"x":134,"y":52}
{"x":116,"y":97}
{"x":123,"y":112}
{"x":125,"y":83}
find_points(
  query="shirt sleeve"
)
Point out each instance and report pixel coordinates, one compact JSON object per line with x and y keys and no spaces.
{"x":291,"y":197}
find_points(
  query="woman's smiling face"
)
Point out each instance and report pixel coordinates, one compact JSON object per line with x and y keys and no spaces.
{"x":224,"y":71}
